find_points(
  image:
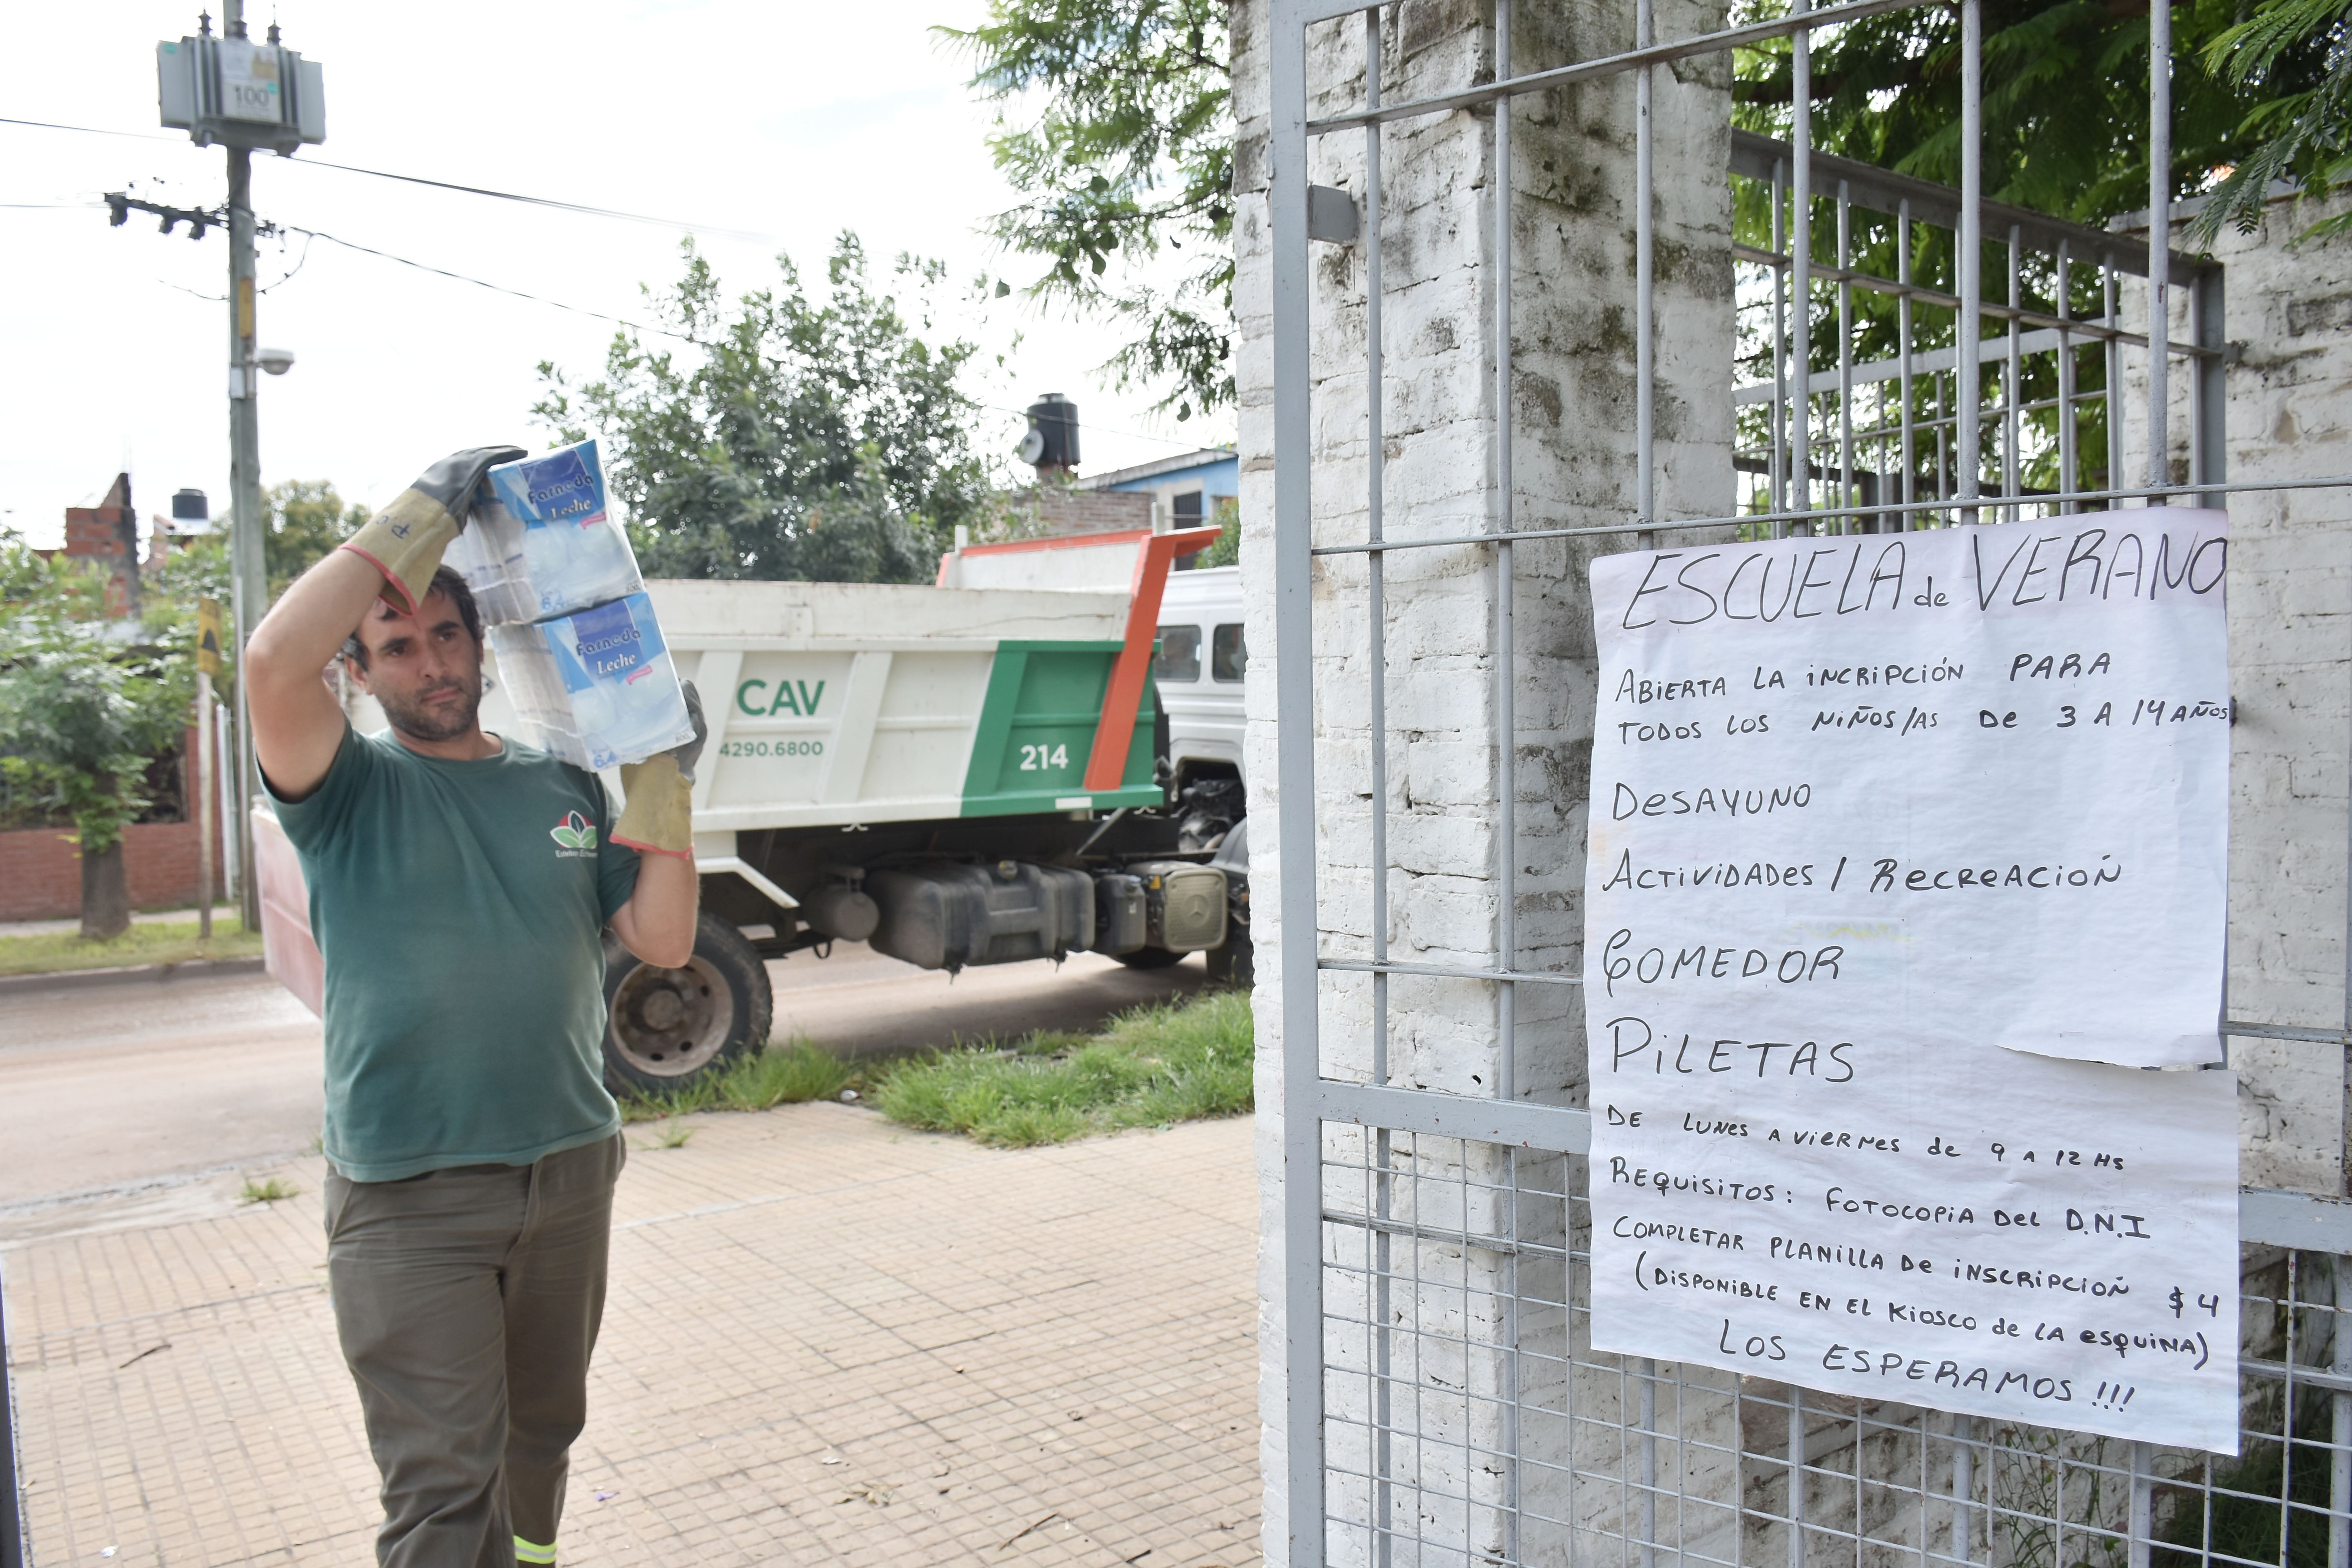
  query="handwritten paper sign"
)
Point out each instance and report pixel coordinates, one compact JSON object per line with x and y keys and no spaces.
{"x":1908,"y":854}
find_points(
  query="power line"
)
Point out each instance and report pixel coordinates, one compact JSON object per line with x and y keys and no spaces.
{"x":494,"y":288}
{"x":438,"y":185}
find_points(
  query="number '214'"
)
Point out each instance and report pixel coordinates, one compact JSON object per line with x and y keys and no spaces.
{"x":1034,"y":759}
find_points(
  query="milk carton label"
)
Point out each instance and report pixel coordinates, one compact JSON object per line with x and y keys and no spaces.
{"x":567,"y":486}
{"x":598,"y":687}
{"x":610,"y":644}
{"x":543,"y":542}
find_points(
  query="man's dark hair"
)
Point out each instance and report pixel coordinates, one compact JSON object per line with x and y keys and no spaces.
{"x":448,"y":583}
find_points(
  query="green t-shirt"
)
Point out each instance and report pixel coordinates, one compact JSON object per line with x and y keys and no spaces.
{"x":461,"y":907}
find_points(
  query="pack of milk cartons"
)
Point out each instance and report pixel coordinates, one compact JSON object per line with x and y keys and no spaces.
{"x":579,"y":648}
{"x":541,"y":542}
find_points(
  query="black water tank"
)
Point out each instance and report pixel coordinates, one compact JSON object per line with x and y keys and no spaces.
{"x":1055,"y":418}
{"x":190,"y":506}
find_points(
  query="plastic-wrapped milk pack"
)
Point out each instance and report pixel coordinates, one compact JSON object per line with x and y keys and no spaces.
{"x":597,"y":687}
{"x":542,"y":542}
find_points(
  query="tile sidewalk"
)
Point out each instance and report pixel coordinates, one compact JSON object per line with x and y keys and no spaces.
{"x":828,"y":1341}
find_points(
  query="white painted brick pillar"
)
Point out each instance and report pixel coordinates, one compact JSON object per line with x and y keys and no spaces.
{"x":1573,"y":413}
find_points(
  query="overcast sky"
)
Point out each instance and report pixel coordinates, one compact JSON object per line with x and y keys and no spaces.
{"x":786,"y":120}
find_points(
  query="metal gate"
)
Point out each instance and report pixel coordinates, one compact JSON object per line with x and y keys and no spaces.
{"x":1442,"y":1404}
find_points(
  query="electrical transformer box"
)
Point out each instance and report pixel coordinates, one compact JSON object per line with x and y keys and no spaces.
{"x":237,"y":93}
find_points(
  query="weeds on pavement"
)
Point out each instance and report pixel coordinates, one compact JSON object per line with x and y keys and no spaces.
{"x":1155,"y":1066}
{"x":269,"y":1190}
{"x":777,"y":1076}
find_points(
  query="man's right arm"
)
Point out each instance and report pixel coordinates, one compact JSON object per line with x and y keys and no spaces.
{"x":298,"y":725}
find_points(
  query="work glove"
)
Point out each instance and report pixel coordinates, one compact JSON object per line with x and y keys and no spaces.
{"x":405,"y":541}
{"x":658,"y":817}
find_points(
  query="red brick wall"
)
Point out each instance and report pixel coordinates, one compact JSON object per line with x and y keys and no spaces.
{"x":1067,"y":512}
{"x":40,"y":870}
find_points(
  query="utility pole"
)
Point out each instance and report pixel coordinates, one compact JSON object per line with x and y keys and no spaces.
{"x":249,"y":577}
{"x":231,"y":92}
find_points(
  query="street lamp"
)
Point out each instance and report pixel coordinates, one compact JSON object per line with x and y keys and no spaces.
{"x":277,"y":361}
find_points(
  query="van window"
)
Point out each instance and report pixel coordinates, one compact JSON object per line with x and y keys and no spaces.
{"x":1180,"y":654}
{"x":1227,"y":658}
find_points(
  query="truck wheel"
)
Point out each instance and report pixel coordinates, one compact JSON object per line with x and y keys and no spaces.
{"x":1235,"y":963}
{"x":670,"y":1026}
{"x":1150,"y":958}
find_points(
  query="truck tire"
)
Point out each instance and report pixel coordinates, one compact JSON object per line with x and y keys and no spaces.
{"x":666,"y":1028}
{"x":1235,"y":963}
{"x":1150,"y":958}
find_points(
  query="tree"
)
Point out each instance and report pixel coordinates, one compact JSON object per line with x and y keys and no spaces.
{"x":307,"y":519}
{"x":824,"y":440}
{"x":2065,"y":99}
{"x":2294,"y":58}
{"x":1115,"y":119}
{"x":82,"y":715}
{"x":2065,"y":117}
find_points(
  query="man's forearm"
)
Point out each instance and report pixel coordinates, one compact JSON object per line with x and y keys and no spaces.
{"x":657,"y":922}
{"x":303,"y":630}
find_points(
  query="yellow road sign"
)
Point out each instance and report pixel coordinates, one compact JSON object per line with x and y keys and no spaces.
{"x":208,"y":636}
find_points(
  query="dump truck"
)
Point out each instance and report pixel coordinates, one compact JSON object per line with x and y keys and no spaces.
{"x":971,"y":772}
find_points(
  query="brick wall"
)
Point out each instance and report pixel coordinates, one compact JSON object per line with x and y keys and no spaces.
{"x":40,"y":870}
{"x":1054,"y":511}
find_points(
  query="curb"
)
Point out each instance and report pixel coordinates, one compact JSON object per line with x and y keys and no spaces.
{"x":75,"y":979}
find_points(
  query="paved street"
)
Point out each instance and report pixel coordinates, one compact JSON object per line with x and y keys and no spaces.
{"x":829,"y":1340}
{"x":144,"y":1081}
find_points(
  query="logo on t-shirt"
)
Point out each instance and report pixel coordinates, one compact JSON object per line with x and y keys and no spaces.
{"x":575,"y":837}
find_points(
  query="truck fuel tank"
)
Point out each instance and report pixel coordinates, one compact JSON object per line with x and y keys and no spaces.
{"x":943,"y":915}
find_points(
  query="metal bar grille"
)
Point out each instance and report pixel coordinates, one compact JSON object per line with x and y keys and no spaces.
{"x":1444,"y":1404}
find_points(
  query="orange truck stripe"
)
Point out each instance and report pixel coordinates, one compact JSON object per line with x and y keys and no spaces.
{"x":1116,"y":729}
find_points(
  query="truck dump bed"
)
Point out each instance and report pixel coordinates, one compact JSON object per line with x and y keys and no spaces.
{"x":847,"y":703}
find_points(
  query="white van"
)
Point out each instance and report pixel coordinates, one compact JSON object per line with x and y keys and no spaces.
{"x":1200,"y":672}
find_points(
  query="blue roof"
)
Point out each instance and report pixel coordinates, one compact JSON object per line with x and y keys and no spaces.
{"x":1217,"y":470}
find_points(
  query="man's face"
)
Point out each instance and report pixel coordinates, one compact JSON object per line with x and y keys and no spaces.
{"x":425,"y":670}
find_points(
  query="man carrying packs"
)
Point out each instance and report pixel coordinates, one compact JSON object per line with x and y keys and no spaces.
{"x":472,"y":1145}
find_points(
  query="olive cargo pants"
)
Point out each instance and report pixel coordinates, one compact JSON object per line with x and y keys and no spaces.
{"x":466,"y":1300}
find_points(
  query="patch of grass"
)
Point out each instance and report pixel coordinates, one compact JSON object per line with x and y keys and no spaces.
{"x":271,"y":1191}
{"x":157,"y":942}
{"x":671,"y":1136}
{"x":777,"y":1076}
{"x":1154,"y":1066}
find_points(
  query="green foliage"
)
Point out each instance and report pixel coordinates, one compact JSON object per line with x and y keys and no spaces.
{"x":2293,"y":58}
{"x":1156,"y":1065}
{"x":307,"y":519}
{"x":82,"y":713}
{"x":270,"y":1190}
{"x":1115,"y":120}
{"x":1227,"y":550}
{"x":775,"y":1076}
{"x":2260,"y":93}
{"x":2065,"y":99}
{"x":2242,"y":1520}
{"x":814,"y":439}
